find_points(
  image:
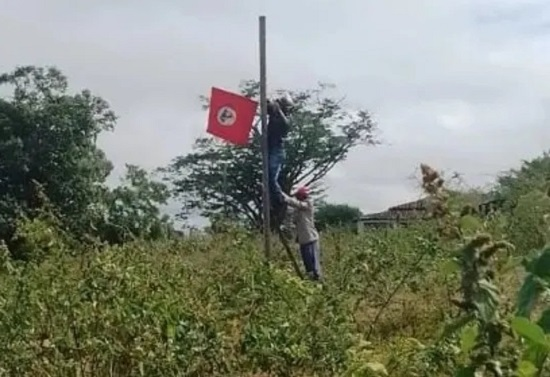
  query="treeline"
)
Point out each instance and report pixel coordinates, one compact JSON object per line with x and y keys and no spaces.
{"x":50,"y":164}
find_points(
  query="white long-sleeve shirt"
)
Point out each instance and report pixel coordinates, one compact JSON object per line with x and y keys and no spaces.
{"x":304,"y":219}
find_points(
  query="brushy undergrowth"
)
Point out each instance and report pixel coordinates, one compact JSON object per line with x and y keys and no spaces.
{"x":446,"y":297}
{"x":206,"y":306}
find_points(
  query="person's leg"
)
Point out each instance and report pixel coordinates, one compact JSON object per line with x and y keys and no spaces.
{"x":276,"y":157}
{"x":305,"y":253}
{"x":309,"y":253}
{"x":317,"y":260}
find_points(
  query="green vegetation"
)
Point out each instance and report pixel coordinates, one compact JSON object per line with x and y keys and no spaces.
{"x":330,"y":215}
{"x":420,"y":301}
{"x":94,"y":281}
{"x":49,"y":157}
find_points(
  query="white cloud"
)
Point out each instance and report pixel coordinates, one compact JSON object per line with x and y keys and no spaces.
{"x":462,"y":84}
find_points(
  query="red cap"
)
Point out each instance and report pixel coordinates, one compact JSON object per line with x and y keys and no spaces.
{"x":302,"y":192}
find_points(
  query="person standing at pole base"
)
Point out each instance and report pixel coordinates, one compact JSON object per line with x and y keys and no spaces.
{"x":278,"y":126}
{"x":308,"y":237}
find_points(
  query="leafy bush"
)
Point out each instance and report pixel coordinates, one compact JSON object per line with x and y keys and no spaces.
{"x":160,"y":309}
{"x":439,"y":298}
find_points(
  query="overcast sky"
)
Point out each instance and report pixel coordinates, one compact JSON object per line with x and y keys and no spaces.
{"x":461,"y":84}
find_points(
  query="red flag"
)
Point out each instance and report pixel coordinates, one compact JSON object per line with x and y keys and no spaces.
{"x":230,"y":116}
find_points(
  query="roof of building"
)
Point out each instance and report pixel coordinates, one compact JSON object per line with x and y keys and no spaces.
{"x":399,"y":211}
{"x":385,"y":215}
{"x":408,"y":210}
{"x":420,"y":204}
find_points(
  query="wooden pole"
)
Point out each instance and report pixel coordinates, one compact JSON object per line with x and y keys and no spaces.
{"x":265,"y":161}
{"x":290,"y":254}
{"x":225,"y":199}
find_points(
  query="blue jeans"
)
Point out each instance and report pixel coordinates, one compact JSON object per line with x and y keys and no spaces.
{"x":276,"y":156}
{"x":312,"y":259}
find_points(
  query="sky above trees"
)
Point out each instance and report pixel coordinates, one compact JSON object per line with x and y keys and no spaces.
{"x":463,"y":85}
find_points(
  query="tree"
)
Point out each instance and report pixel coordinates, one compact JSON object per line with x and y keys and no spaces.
{"x":532,"y":175}
{"x":528,"y":230}
{"x":526,"y":192}
{"x":48,"y":140}
{"x":132,"y":209}
{"x":50,"y":160}
{"x":336,"y":215}
{"x":217,"y":178}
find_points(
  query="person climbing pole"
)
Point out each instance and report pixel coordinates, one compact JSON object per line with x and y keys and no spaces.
{"x":307,"y":234}
{"x":278,"y":126}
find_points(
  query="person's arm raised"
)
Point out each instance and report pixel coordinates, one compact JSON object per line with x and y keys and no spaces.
{"x":282,"y":115}
{"x":295,"y":202}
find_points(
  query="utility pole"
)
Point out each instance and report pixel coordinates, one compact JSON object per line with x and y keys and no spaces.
{"x":265,"y":162}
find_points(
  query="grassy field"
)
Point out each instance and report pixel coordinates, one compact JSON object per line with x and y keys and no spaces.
{"x":402,"y":302}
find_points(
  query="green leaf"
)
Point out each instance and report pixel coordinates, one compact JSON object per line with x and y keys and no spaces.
{"x":535,"y":354}
{"x":526,"y":369}
{"x":468,"y":338}
{"x":530,"y":331}
{"x":541,"y":265}
{"x":544,"y":321}
{"x":486,"y":300}
{"x":527,"y":296}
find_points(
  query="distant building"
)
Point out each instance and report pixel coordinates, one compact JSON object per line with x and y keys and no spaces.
{"x":396,"y":215}
{"x":406,"y":213}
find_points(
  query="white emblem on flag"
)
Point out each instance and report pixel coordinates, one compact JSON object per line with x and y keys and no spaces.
{"x":226,"y":116}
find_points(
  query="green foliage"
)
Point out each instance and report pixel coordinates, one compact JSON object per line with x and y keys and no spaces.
{"x":47,"y":139}
{"x":132,"y":209}
{"x":485,"y":327}
{"x":532,"y":175}
{"x":208,"y":305}
{"x":219,"y":178}
{"x":166,"y":309}
{"x":536,"y":283}
{"x":37,"y":238}
{"x":481,"y":340}
{"x":329,"y":215}
{"x":486,"y":331}
{"x":528,"y":229}
{"x":50,"y":161}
